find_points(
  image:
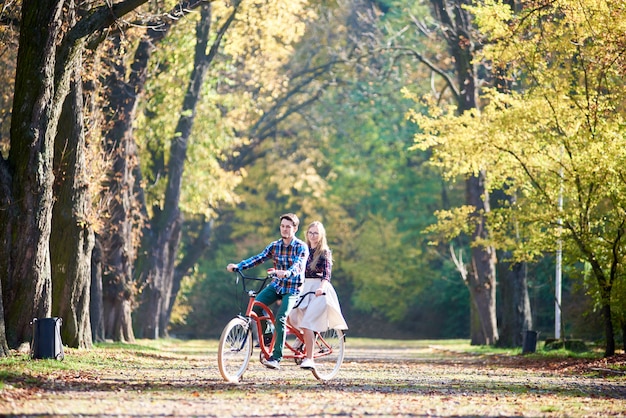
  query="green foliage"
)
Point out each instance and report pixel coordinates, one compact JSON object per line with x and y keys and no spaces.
{"x":205,"y":183}
{"x":378,"y":264}
{"x":253,"y":51}
{"x":345,"y":161}
{"x":391,"y":195}
{"x":214,"y":294}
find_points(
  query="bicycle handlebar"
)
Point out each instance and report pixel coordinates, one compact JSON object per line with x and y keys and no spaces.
{"x":239,"y":273}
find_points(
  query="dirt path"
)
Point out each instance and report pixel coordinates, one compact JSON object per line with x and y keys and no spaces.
{"x":397,"y":379}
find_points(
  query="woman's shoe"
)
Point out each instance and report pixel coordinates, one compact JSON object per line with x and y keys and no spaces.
{"x":307,"y":364}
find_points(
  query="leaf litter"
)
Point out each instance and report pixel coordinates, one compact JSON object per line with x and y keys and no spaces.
{"x":398,"y":380}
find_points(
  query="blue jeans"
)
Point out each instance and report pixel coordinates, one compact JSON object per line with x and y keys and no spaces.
{"x":268,"y":296}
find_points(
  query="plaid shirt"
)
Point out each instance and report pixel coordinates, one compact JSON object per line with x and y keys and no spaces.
{"x":290,"y":257}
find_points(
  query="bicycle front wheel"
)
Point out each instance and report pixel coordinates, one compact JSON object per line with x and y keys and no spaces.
{"x":235,"y":350}
{"x":329,"y":353}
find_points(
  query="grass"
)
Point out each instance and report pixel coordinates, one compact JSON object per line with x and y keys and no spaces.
{"x":116,"y":354}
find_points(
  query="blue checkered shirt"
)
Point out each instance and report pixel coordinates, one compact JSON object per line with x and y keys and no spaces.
{"x":291,"y":258}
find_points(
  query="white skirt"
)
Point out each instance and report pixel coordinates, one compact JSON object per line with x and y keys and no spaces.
{"x":317,"y":313}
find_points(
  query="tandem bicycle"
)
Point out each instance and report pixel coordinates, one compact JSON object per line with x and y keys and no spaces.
{"x":237,"y":342}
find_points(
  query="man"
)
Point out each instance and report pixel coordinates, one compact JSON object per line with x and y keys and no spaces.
{"x":289,"y":255}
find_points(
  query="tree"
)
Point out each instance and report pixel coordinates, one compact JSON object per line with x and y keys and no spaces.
{"x":162,"y":238}
{"x":462,"y":77}
{"x":247,"y":47}
{"x":125,"y":212}
{"x":50,"y":46}
{"x":561,"y":136}
{"x":9,"y":19}
{"x":72,"y":230}
{"x":582,"y":62}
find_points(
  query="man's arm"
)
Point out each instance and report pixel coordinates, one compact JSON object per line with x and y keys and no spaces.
{"x":260,"y":258}
{"x":301,"y":255}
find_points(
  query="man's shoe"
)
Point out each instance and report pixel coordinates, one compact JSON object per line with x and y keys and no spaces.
{"x":307,"y":364}
{"x":271,"y":363}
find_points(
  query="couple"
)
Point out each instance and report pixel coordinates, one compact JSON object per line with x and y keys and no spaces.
{"x":299,"y":268}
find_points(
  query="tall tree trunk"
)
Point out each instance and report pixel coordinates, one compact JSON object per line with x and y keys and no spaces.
{"x":28,"y":285}
{"x":605,"y":305}
{"x":163,"y":236}
{"x":192,"y":255}
{"x":4,"y":347}
{"x":458,"y":31}
{"x":482,"y":273}
{"x":609,"y":350}
{"x":124,"y":194}
{"x":45,"y":63}
{"x":121,"y":211}
{"x":476,"y":332}
{"x":513,"y":285}
{"x":605,"y":282}
{"x":5,"y":240}
{"x":161,"y":241}
{"x":72,"y":234}
{"x":623,"y":328}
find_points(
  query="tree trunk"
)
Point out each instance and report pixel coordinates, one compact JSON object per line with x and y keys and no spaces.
{"x":623,"y":327}
{"x":71,"y":231}
{"x":161,"y":241}
{"x":46,"y":61}
{"x":4,"y":347}
{"x":515,"y":303}
{"x":97,"y":296}
{"x":513,"y":284}
{"x":476,"y":332}
{"x":159,"y":279}
{"x":457,"y":29}
{"x":482,"y":275}
{"x":121,"y":213}
{"x":609,"y":350}
{"x":605,"y":292}
{"x":5,"y":239}
{"x":28,"y":285}
{"x":126,"y":204}
{"x":192,"y":255}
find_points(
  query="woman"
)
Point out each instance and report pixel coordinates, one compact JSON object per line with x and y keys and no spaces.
{"x":318,"y":307}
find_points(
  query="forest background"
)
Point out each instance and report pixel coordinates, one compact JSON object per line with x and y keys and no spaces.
{"x":455,"y":151}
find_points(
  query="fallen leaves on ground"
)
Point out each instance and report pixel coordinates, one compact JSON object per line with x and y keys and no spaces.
{"x":181,"y":379}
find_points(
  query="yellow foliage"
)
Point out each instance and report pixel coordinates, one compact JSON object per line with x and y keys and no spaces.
{"x":263,"y":38}
{"x":254,"y":49}
{"x":562,"y":133}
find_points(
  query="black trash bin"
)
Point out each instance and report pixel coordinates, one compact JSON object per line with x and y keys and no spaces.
{"x":47,"y":339}
{"x":530,"y":342}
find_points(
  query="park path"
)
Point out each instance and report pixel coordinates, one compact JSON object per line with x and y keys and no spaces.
{"x":378,"y":378}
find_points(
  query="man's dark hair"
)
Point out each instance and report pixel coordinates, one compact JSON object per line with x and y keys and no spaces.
{"x":292,"y":217}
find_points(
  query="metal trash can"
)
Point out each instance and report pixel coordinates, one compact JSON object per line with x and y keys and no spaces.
{"x":530,"y":342}
{"x":47,"y":339}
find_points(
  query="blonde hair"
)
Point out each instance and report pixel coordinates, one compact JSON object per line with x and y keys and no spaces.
{"x":322,"y":246}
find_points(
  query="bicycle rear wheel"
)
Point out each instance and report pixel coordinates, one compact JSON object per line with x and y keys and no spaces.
{"x":235,"y":350}
{"x":329,"y":353}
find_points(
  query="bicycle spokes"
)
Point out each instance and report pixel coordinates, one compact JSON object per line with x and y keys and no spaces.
{"x":235,"y":349}
{"x":329,"y":353}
